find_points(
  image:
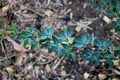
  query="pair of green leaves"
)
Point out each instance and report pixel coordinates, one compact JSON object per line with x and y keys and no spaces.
{"x":92,"y":56}
{"x":12,"y":30}
{"x":55,"y":46}
{"x":109,"y":57}
{"x":46,"y":33}
{"x":61,"y":48}
{"x":27,"y":34}
{"x":84,"y":40}
{"x":29,"y":39}
{"x":102,"y":44}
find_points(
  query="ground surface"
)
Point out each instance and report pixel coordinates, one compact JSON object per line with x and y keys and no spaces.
{"x":34,"y":66}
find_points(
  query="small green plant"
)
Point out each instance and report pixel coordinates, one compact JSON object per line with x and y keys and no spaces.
{"x":11,"y":31}
{"x":93,"y":49}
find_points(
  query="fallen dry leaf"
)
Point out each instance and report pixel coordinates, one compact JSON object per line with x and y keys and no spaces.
{"x":18,"y":76}
{"x":19,"y":60}
{"x":17,"y":46}
{"x":48,"y":13}
{"x":63,"y":73}
{"x":48,"y":69}
{"x":107,"y":20}
{"x":5,"y":9}
{"x":102,"y":76}
{"x":116,"y":62}
{"x":78,"y":28}
{"x":9,"y":70}
{"x":12,"y":1}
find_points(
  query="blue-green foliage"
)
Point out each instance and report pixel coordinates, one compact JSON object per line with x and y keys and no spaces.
{"x":93,"y":49}
{"x":102,"y":44}
{"x":84,"y":40}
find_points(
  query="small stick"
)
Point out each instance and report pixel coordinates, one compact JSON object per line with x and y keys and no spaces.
{"x":58,"y":63}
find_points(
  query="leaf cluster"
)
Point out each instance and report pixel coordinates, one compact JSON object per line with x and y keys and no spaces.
{"x":93,"y":49}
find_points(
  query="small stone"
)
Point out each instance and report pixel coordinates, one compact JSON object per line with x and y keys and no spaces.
{"x":48,"y":13}
{"x":39,"y":18}
{"x":102,"y":76}
{"x":10,"y":15}
{"x":78,"y":28}
{"x":38,"y":26}
{"x":86,"y":75}
{"x":107,"y":20}
{"x":63,"y":73}
{"x":66,"y":18}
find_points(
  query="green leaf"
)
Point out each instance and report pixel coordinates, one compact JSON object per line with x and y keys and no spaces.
{"x":97,"y":42}
{"x":100,"y":5}
{"x":46,"y":33}
{"x":116,"y":71}
{"x":25,"y":42}
{"x":102,"y":44}
{"x":89,"y":40}
{"x":33,"y":45}
{"x":70,"y":33}
{"x":74,"y":57}
{"x":38,"y":47}
{"x":67,"y":47}
{"x":97,"y":60}
{"x":80,"y":45}
{"x":106,"y":43}
{"x":117,"y":27}
{"x":91,"y":62}
{"x":10,"y":29}
{"x":53,"y":45}
{"x":116,"y":48}
{"x":59,"y":52}
{"x":25,"y":34}
{"x":13,"y":35}
{"x":87,"y":52}
{"x":118,"y":6}
{"x":56,"y":41}
{"x":88,"y":57}
{"x":2,"y":34}
{"x":52,"y":49}
{"x":84,"y":39}
{"x":66,"y":34}
{"x":90,"y":1}
{"x":110,"y":63}
{"x":108,"y":55}
{"x":29,"y":41}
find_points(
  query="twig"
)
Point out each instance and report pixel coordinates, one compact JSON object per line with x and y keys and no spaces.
{"x":33,"y":11}
{"x":28,"y":20}
{"x":42,"y":63}
{"x":5,"y":58}
{"x":58,"y":63}
{"x":3,"y":49}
